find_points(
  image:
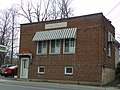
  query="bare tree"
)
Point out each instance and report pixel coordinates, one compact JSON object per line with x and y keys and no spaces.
{"x":5,"y":30}
{"x":8,"y":33}
{"x":37,"y":10}
{"x":45,"y":10}
{"x":41,"y":9}
{"x":64,"y":8}
{"x":14,"y":32}
{"x":60,"y":9}
{"x":26,"y":11}
{"x":34,"y":12}
{"x":54,"y":11}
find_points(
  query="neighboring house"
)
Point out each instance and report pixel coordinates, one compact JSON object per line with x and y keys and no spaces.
{"x":117,"y":53}
{"x":79,"y":49}
{"x":3,"y":49}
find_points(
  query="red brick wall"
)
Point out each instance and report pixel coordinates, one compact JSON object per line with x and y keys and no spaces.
{"x":88,"y":60}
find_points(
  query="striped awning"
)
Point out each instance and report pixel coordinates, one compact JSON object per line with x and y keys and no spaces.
{"x":55,"y":34}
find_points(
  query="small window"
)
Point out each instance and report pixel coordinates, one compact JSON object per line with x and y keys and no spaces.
{"x":69,"y":70}
{"x":24,"y":64}
{"x":41,"y":70}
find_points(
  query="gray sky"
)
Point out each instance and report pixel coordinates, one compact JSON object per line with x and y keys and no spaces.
{"x":110,"y":9}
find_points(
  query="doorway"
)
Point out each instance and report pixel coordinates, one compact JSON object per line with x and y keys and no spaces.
{"x":24,"y":68}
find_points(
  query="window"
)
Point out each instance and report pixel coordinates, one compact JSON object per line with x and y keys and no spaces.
{"x":41,"y":70}
{"x":109,"y":49}
{"x":42,"y":47}
{"x":68,"y":70}
{"x":109,"y":44}
{"x":55,"y":47}
{"x":25,"y":64}
{"x":69,"y":46}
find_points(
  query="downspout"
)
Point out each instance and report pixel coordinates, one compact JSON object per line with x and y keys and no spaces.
{"x":104,"y":52}
{"x":103,"y":63}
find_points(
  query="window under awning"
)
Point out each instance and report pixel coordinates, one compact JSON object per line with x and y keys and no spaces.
{"x":55,"y":34}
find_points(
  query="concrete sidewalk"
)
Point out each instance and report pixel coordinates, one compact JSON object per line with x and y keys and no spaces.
{"x":115,"y":85}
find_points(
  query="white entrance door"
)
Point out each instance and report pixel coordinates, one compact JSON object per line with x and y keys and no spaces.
{"x":24,"y":68}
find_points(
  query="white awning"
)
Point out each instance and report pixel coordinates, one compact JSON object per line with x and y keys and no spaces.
{"x":55,"y":34}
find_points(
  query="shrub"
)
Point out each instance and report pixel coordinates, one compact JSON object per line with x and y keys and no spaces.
{"x":117,"y":73}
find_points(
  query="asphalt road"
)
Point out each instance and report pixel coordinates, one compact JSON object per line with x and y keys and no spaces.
{"x":26,"y":85}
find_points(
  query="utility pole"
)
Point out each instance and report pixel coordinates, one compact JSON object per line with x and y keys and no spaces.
{"x":12,"y":43}
{"x":13,"y":13}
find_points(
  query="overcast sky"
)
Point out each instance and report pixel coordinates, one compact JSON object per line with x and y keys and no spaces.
{"x":110,"y":9}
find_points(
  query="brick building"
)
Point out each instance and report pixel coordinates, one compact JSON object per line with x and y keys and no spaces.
{"x":79,"y":49}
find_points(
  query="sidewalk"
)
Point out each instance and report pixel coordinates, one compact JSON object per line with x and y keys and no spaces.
{"x":114,"y":83}
{"x":23,"y":81}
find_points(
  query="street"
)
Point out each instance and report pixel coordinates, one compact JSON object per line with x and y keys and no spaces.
{"x":26,"y":85}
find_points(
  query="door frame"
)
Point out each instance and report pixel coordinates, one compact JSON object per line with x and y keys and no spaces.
{"x":21,"y":68}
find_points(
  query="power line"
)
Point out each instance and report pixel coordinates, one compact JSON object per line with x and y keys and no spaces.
{"x":117,"y":21}
{"x":116,"y":16}
{"x":113,"y":9}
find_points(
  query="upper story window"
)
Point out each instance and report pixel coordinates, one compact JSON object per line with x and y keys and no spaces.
{"x":69,"y":46}
{"x":42,"y":47}
{"x":55,"y":47}
{"x":109,"y":49}
{"x":54,"y":37}
{"x":109,"y":44}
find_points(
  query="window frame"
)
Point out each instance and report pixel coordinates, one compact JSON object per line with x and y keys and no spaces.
{"x":70,"y":47}
{"x":65,"y":70}
{"x":55,"y":47}
{"x":109,"y":49}
{"x":42,"y":48}
{"x":109,"y":44}
{"x":38,"y":71}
